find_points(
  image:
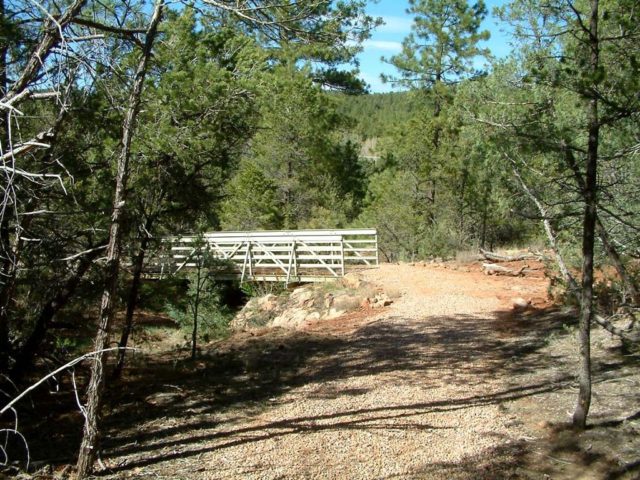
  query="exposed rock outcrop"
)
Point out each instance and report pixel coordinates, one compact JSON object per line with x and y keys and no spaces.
{"x":311,"y":303}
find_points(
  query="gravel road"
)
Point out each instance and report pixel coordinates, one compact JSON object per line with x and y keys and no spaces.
{"x":419,"y":390}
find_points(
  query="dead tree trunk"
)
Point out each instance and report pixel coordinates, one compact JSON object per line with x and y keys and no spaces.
{"x":601,"y":231}
{"x":566,"y":275}
{"x":11,"y":252}
{"x":588,"y":234}
{"x":4,"y":52}
{"x":132,"y":301}
{"x":4,"y":320}
{"x":25,"y":357}
{"x":89,"y":444}
{"x":10,"y":93}
{"x":6,"y":284}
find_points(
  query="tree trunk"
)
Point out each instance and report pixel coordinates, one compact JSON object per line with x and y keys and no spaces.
{"x":435,"y":140}
{"x":463,"y":188}
{"x":132,"y":300}
{"x":288,"y":197}
{"x":4,"y":53}
{"x":6,"y":280}
{"x":196,"y":305}
{"x":89,"y":445}
{"x":4,"y":319}
{"x":551,"y":236}
{"x":50,"y":309}
{"x":485,"y":214}
{"x":588,"y":236}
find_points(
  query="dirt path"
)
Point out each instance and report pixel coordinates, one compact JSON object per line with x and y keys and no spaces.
{"x":434,"y":386}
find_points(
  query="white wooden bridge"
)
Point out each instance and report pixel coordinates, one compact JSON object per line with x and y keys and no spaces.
{"x":287,"y":256}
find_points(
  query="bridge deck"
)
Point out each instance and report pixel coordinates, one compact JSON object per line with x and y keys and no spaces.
{"x":270,"y":256}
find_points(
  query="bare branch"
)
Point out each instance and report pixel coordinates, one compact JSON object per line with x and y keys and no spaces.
{"x":50,"y":38}
{"x":70,"y":364}
{"x":80,"y":254}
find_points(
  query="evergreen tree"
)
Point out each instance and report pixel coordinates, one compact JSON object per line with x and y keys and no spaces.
{"x":577,"y":75}
{"x":439,"y":53}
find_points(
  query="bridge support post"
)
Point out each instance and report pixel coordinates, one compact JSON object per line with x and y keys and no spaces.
{"x":293,"y":262}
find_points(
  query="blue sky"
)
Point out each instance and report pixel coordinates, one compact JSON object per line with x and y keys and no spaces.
{"x":386,"y":40}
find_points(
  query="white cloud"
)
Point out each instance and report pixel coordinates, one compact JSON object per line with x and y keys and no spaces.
{"x":393,"y":24}
{"x":387,"y":46}
{"x":375,"y":83}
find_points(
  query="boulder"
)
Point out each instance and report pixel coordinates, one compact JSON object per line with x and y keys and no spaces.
{"x":302,"y":295}
{"x":520,"y":303}
{"x":380,"y":300}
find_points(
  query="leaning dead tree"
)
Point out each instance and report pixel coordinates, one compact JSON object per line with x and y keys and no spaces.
{"x":52,"y":57}
{"x":573,"y":288}
{"x":88,"y":447}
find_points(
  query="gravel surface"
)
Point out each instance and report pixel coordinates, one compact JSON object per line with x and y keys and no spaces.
{"x":426,"y":388}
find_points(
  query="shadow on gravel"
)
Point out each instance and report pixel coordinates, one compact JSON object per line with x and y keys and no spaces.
{"x":344,"y":420}
{"x":161,"y":411}
{"x":173,"y":400}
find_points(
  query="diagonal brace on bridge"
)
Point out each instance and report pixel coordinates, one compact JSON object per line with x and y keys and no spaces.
{"x":274,"y":256}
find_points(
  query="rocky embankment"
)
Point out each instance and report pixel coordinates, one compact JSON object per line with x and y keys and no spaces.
{"x":313,"y":302}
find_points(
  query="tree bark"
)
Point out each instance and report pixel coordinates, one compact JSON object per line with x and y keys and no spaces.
{"x":132,"y":301}
{"x":551,"y":236}
{"x":588,"y":235}
{"x":89,"y":445}
{"x":27,"y":353}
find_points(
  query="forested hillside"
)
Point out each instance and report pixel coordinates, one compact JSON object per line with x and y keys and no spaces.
{"x":125,"y":123}
{"x":376,"y":115}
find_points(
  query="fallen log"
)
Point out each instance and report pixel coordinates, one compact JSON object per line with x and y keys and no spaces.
{"x":493,"y":269}
{"x":494,"y":257}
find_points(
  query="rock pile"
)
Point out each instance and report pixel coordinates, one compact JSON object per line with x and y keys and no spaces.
{"x":310,"y":303}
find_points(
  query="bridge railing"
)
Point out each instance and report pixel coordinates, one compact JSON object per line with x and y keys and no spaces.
{"x":287,"y":256}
